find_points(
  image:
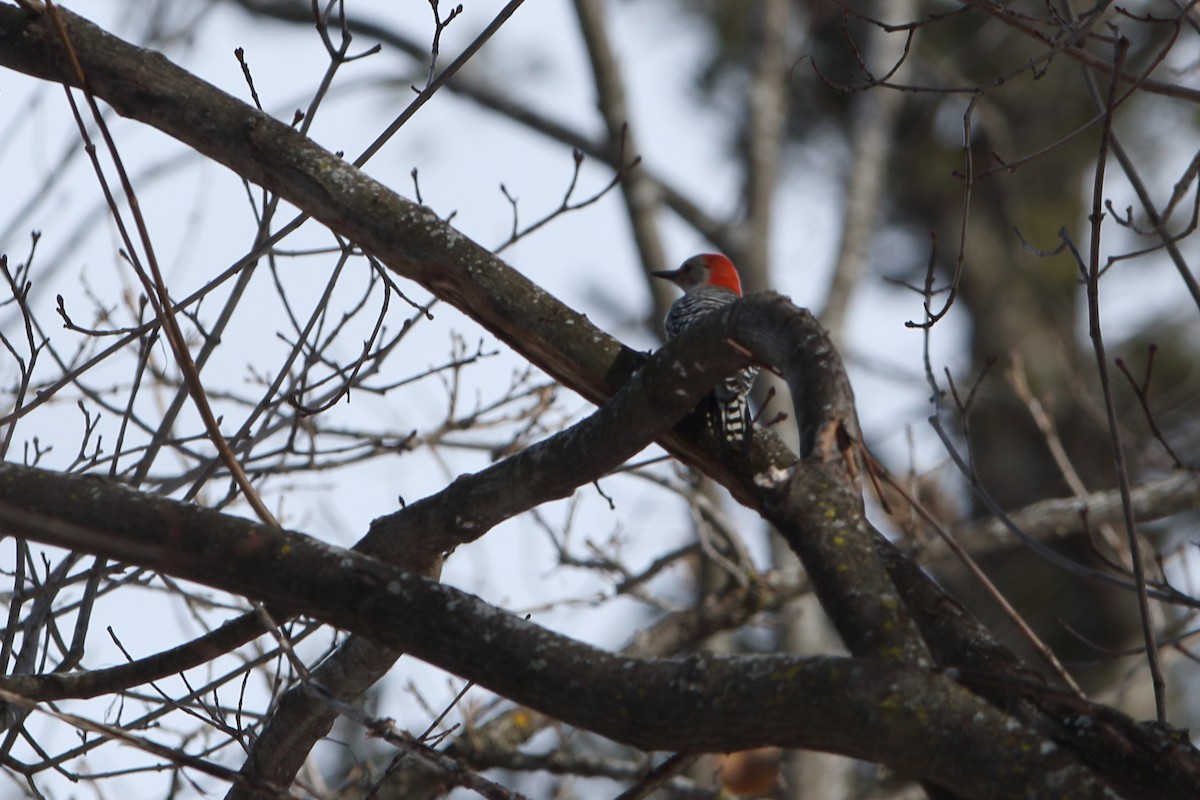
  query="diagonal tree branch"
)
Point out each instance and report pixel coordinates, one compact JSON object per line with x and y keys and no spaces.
{"x":410,"y":239}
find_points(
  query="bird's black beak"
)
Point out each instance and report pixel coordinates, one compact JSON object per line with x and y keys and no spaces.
{"x":666,"y":274}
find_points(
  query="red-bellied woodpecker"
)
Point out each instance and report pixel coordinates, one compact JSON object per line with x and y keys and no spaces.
{"x":710,"y":281}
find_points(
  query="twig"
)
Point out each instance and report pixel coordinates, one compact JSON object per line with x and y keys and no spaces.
{"x":566,"y":205}
{"x":425,"y":94}
{"x":1092,"y":276}
{"x":1142,"y":390}
{"x":439,"y":25}
{"x":656,"y":777}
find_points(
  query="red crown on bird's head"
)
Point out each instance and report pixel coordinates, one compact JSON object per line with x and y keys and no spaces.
{"x":721,"y":272}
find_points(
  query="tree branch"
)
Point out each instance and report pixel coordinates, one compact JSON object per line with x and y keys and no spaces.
{"x":1059,"y":517}
{"x":920,"y":721}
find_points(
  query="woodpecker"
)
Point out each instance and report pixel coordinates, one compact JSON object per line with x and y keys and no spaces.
{"x":710,"y":281}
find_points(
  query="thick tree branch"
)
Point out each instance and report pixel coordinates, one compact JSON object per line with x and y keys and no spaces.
{"x":920,"y":722}
{"x":677,"y":632}
{"x":1122,"y":750}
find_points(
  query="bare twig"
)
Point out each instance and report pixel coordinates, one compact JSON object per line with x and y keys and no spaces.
{"x":1092,"y":277}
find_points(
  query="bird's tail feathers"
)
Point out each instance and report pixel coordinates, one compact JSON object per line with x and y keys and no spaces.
{"x":734,"y":421}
